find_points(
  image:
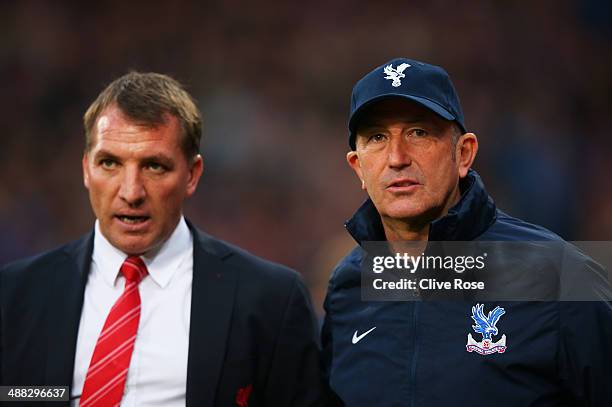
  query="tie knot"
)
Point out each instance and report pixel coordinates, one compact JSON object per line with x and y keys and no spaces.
{"x":134,"y":269}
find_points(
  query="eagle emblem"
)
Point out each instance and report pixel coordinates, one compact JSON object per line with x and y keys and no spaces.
{"x":395,"y":74}
{"x":486,"y":326}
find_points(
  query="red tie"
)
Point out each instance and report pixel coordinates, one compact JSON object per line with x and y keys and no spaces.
{"x":109,"y":364}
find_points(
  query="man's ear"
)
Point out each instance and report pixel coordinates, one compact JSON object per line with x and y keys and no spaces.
{"x":465,"y":151}
{"x":353,"y":160}
{"x":85,"y":164}
{"x":195,"y":172}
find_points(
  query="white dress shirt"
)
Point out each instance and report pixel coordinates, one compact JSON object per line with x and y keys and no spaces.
{"x":157,"y":375}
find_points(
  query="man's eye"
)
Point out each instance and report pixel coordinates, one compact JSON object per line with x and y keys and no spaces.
{"x":376,"y":138}
{"x":107,"y":163}
{"x":156,"y":167}
{"x":419,"y":132}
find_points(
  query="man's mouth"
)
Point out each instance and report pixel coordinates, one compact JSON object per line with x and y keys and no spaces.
{"x":132,"y":220}
{"x":403,"y":183}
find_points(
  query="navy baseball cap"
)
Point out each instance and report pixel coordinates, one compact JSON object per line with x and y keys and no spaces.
{"x":427,"y":85}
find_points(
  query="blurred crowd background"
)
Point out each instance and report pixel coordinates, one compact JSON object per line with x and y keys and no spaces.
{"x":273,"y":80}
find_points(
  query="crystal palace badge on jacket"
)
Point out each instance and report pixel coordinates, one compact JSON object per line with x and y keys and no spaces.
{"x":486,"y":326}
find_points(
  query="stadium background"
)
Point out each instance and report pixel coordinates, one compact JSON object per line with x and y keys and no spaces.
{"x":273,"y":81}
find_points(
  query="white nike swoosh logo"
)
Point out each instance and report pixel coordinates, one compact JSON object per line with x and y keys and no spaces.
{"x":360,"y":337}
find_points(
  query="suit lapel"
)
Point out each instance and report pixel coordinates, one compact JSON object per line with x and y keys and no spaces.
{"x":213,"y":291}
{"x":64,"y":311}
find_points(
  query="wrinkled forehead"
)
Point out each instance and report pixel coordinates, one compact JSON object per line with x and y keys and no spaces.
{"x":115,"y":115}
{"x":114,"y":125}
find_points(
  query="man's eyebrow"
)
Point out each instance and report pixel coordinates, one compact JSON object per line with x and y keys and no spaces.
{"x":149,"y":158}
{"x":157,"y":158}
{"x":105,"y":154}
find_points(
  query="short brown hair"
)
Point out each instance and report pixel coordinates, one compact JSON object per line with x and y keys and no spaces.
{"x":146,"y":98}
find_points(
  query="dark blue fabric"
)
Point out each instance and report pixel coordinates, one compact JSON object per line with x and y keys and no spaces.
{"x":558,"y":353}
{"x":425,"y":84}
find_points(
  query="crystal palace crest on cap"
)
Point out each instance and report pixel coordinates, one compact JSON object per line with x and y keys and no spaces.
{"x":395,"y":74}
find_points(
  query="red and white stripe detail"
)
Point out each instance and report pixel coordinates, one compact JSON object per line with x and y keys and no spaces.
{"x":110,"y":362}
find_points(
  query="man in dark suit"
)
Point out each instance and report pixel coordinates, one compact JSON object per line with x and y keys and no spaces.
{"x":146,"y":309}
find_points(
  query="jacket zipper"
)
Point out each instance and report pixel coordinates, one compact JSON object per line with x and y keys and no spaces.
{"x":415,"y":354}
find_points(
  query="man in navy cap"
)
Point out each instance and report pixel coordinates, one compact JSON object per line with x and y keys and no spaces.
{"x":413,"y":156}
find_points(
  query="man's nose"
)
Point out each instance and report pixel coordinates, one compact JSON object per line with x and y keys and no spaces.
{"x":399,"y":152}
{"x":132,"y":190}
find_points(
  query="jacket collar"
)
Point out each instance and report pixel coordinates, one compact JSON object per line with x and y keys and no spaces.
{"x":213,"y":291}
{"x":468,"y":219}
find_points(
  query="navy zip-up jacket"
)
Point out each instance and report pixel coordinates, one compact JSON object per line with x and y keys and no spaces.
{"x":558,"y":353}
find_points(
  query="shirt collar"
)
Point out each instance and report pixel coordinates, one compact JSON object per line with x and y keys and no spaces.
{"x":162,"y":263}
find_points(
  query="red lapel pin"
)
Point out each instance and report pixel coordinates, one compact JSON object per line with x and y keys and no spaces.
{"x":242,"y":396}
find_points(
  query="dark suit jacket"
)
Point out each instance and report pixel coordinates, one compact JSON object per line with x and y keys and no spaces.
{"x":251,"y":324}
